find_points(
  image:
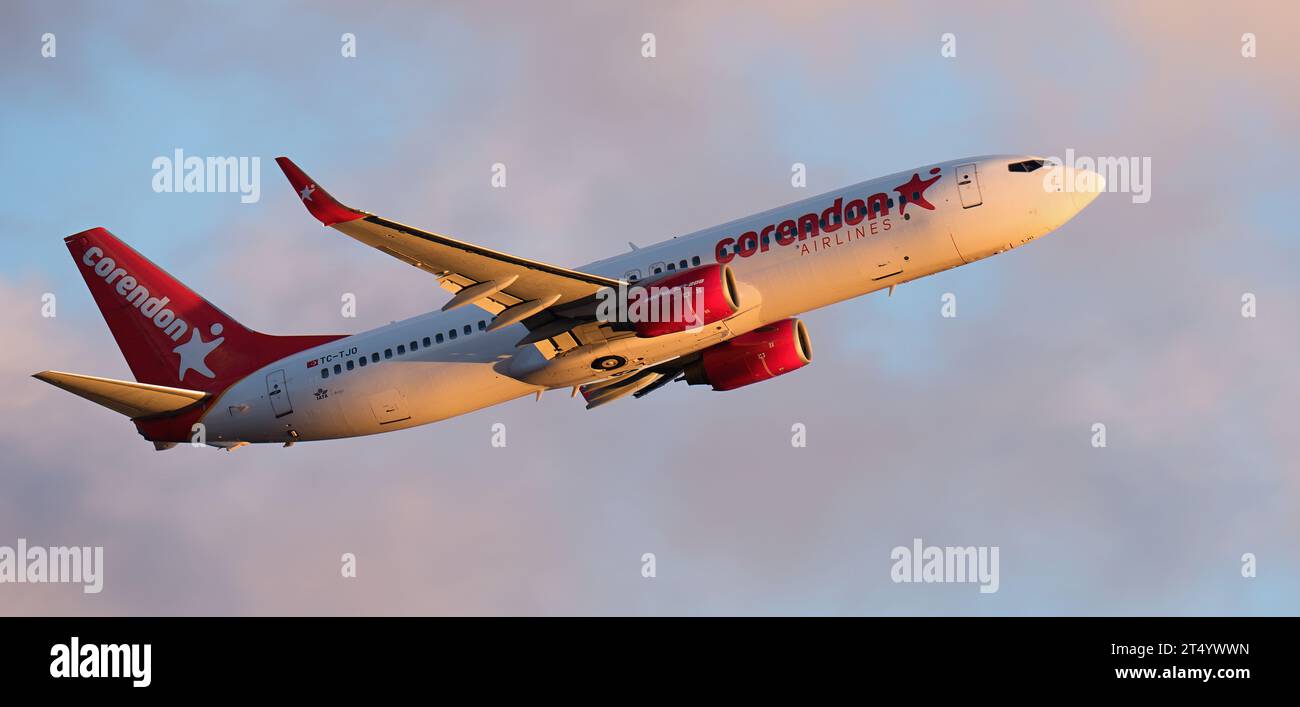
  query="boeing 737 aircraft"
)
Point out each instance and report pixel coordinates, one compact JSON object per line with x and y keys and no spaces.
{"x":515,"y":327}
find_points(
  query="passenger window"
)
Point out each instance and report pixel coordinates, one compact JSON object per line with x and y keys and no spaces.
{"x":362,"y":361}
{"x":657,"y":268}
{"x":482,"y":325}
{"x":426,"y":342}
{"x":695,"y":260}
{"x":632,"y":275}
{"x":682,"y":264}
{"x":374,"y":357}
{"x":671,"y":267}
{"x":337,"y":369}
{"x":451,"y":334}
{"x":438,"y":338}
{"x":324,"y":373}
{"x":401,"y":349}
{"x":415,"y":346}
{"x":351,"y":365}
{"x":388,"y":353}
{"x":468,"y":330}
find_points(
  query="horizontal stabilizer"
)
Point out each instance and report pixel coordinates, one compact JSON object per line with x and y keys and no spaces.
{"x":131,"y":399}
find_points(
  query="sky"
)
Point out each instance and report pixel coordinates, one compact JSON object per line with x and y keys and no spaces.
{"x":974,"y":430}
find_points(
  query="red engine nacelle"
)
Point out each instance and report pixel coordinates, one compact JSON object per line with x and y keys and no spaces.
{"x":684,"y":300}
{"x":763,"y":353}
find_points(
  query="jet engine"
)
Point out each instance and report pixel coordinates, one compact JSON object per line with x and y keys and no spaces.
{"x":683,"y":300}
{"x":763,"y":353}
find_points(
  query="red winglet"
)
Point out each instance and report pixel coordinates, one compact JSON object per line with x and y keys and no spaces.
{"x":324,"y":207}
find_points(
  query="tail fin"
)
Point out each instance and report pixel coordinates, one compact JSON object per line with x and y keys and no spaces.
{"x":170,"y":335}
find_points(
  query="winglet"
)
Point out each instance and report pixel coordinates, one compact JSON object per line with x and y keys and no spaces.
{"x":324,"y":207}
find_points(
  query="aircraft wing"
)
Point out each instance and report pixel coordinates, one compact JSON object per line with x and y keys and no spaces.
{"x":508,"y":286}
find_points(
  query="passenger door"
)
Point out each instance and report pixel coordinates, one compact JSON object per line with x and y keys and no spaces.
{"x":968,"y":186}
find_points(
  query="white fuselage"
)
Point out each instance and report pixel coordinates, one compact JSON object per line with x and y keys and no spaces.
{"x":976,"y":214}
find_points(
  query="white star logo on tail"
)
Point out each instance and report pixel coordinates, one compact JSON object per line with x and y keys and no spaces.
{"x":195,"y":352}
{"x":306,"y":192}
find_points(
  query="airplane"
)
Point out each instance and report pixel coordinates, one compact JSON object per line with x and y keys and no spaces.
{"x":721,"y":309}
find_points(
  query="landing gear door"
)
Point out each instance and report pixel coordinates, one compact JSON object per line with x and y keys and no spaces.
{"x":277,"y":391}
{"x":968,"y":186}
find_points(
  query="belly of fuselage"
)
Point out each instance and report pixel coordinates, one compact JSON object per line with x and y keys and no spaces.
{"x":379,"y":398}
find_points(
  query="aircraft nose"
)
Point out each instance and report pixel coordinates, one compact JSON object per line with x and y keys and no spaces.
{"x":1087,"y":185}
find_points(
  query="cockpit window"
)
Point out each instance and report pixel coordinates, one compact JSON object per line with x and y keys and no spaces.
{"x":1026,"y":166}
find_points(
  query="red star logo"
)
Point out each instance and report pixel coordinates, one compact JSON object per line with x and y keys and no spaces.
{"x":914,"y":191}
